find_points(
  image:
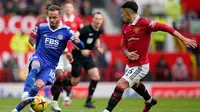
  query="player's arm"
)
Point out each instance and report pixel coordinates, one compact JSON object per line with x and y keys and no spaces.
{"x":156,"y":26}
{"x":33,"y":35}
{"x":97,"y":46}
{"x":31,"y":41}
{"x":130,"y":55}
{"x":75,"y":40}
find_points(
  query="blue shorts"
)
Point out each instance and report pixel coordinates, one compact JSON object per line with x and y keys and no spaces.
{"x":47,"y":70}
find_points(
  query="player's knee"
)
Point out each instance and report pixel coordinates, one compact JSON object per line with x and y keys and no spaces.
{"x":39,"y":83}
{"x":75,"y":81}
{"x":59,"y":73}
{"x":122,"y":83}
{"x":95,"y":77}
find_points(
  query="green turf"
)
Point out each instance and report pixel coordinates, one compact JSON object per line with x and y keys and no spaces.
{"x":126,"y":105}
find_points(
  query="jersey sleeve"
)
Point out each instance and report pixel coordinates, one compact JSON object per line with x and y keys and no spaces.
{"x":34,"y":31}
{"x":156,"y":26}
{"x":38,"y":37}
{"x":124,"y":40}
{"x":71,"y":36}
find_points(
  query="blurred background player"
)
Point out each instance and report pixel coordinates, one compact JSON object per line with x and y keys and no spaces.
{"x":90,"y":35}
{"x":136,"y":39}
{"x":51,"y":41}
{"x":64,"y":67}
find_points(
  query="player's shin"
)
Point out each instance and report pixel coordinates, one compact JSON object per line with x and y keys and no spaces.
{"x":55,"y":90}
{"x":91,"y":88}
{"x":115,"y":98}
{"x":141,"y":90}
{"x":30,"y":80}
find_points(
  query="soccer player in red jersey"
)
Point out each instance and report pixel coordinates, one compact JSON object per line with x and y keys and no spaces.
{"x":136,"y":38}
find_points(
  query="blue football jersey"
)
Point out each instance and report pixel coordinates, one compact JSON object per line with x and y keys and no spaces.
{"x":50,"y":44}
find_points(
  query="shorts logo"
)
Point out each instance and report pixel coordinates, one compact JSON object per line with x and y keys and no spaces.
{"x":60,"y":37}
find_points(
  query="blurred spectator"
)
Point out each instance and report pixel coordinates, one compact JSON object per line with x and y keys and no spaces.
{"x":23,"y":7}
{"x":179,"y":70}
{"x":162,"y":72}
{"x":2,"y":11}
{"x":19,"y":45}
{"x":118,"y":69}
{"x":191,"y":15}
{"x":147,"y":11}
{"x":159,"y":37}
{"x":35,"y":7}
{"x":85,"y":8}
{"x":9,"y":8}
{"x":173,"y":9}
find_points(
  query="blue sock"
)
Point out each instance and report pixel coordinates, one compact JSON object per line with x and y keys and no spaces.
{"x":46,"y":90}
{"x":34,"y":91}
{"x":30,"y":80}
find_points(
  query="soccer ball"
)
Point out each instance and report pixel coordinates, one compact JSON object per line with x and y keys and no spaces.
{"x":39,"y":104}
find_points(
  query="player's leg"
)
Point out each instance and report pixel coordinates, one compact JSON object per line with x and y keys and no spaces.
{"x":34,"y":69}
{"x":93,"y":72}
{"x":46,"y":75}
{"x":140,"y":88}
{"x":33,"y":92}
{"x":126,"y":81}
{"x":47,"y":94}
{"x":116,"y":96}
{"x":66,"y":89}
{"x":56,"y":89}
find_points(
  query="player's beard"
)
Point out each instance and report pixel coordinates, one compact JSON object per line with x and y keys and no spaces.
{"x":54,"y":25}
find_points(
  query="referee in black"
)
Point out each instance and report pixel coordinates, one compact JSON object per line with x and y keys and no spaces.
{"x":89,"y":35}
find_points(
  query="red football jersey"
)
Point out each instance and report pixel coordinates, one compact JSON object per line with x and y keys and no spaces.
{"x":34,"y":30}
{"x":75,"y":23}
{"x":136,"y":37}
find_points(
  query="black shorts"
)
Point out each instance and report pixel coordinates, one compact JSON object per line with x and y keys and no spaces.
{"x":81,"y":62}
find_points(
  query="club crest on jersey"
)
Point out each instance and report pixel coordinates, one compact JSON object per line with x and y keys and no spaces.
{"x":60,"y":37}
{"x":137,"y":29}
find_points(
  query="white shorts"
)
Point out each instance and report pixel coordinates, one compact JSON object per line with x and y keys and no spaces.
{"x":134,"y":74}
{"x":63,"y":63}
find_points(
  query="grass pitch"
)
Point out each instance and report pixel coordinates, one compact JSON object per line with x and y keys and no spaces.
{"x":126,"y":105}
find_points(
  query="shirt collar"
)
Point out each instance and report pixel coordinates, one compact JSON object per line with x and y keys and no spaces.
{"x":70,"y":19}
{"x":136,"y":20}
{"x":59,"y":27}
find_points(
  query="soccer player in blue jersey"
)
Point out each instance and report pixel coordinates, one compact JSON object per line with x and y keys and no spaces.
{"x":51,"y":41}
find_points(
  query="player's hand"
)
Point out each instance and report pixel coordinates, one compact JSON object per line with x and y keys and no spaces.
{"x":86,"y":52}
{"x":190,"y":42}
{"x":100,"y":50}
{"x":132,"y":55}
{"x":69,"y":57}
{"x":76,"y":39}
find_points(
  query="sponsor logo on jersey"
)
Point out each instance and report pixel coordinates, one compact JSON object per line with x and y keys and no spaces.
{"x":51,"y":43}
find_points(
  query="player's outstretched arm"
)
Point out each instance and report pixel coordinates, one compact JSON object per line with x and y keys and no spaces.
{"x":156,"y":26}
{"x":77,"y":43}
{"x":188,"y":42}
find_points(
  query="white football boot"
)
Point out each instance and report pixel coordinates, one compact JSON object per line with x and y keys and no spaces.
{"x":55,"y":107}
